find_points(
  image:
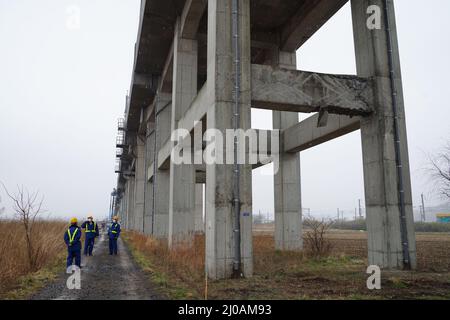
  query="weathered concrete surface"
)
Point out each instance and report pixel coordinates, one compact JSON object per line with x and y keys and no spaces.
{"x":123,"y":206}
{"x":287,"y":193}
{"x":379,"y":159}
{"x":301,"y":91}
{"x":306,"y":134}
{"x":182,"y":176}
{"x":130,"y":203}
{"x":287,"y":189}
{"x":148,"y":209}
{"x":261,"y":147}
{"x":199,"y":221}
{"x":161,"y":180}
{"x":140,"y":181}
{"x":219,"y":178}
{"x":295,"y":91}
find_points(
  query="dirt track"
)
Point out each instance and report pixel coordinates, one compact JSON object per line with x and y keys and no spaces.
{"x":103,"y":277}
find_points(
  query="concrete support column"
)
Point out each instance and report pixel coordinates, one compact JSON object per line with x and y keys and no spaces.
{"x":377,"y":133}
{"x":287,"y":188}
{"x":130,"y":203}
{"x":161,"y":179}
{"x":220,"y":237}
{"x":139,"y":188}
{"x":148,"y":210}
{"x":182,"y":176}
{"x":124,"y":207}
{"x":199,"y":222}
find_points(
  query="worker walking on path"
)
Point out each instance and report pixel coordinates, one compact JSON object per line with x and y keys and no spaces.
{"x":114,"y":233}
{"x":72,"y":239}
{"x":91,"y":232}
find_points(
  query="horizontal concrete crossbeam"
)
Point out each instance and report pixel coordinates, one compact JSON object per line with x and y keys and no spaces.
{"x":164,"y":155}
{"x":262,"y":147}
{"x":293,"y":90}
{"x":197,"y":109}
{"x":301,"y":91}
{"x":307,"y":134}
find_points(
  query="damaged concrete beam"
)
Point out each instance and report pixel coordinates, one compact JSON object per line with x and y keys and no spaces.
{"x":300,"y":91}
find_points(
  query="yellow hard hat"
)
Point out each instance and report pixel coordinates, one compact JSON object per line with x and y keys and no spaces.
{"x":73,"y":220}
{"x":115,"y":218}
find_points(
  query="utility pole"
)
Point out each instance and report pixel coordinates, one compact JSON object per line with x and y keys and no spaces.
{"x":423,"y":216}
{"x":360,"y":209}
{"x":338,"y":214}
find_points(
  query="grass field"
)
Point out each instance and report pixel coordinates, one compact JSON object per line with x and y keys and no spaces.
{"x":290,"y":275}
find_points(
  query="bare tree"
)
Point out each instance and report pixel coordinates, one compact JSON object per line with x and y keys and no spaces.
{"x":27,"y":207}
{"x":439,"y":171}
{"x":317,"y":245}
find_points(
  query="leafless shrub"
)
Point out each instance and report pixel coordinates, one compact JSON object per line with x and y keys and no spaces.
{"x":316,"y":243}
{"x":439,"y":171}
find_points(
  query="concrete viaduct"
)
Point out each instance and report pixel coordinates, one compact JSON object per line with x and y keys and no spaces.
{"x":184,"y":72}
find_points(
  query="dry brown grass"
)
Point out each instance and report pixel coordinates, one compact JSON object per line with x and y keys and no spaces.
{"x":291,"y":275}
{"x":185,"y":264}
{"x":14,"y":260}
{"x":268,"y":261}
{"x":188,"y":263}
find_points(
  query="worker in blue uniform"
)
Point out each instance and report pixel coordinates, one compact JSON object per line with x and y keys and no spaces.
{"x":91,"y":232}
{"x":72,"y":239}
{"x":114,"y":233}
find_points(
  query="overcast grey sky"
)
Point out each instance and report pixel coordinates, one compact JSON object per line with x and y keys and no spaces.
{"x":62,"y":90}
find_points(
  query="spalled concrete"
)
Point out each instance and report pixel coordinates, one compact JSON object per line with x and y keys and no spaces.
{"x":301,"y":91}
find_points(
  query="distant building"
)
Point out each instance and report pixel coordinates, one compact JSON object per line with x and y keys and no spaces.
{"x":443,"y":217}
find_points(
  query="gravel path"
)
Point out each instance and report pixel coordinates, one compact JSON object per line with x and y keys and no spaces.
{"x":103,"y":277}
